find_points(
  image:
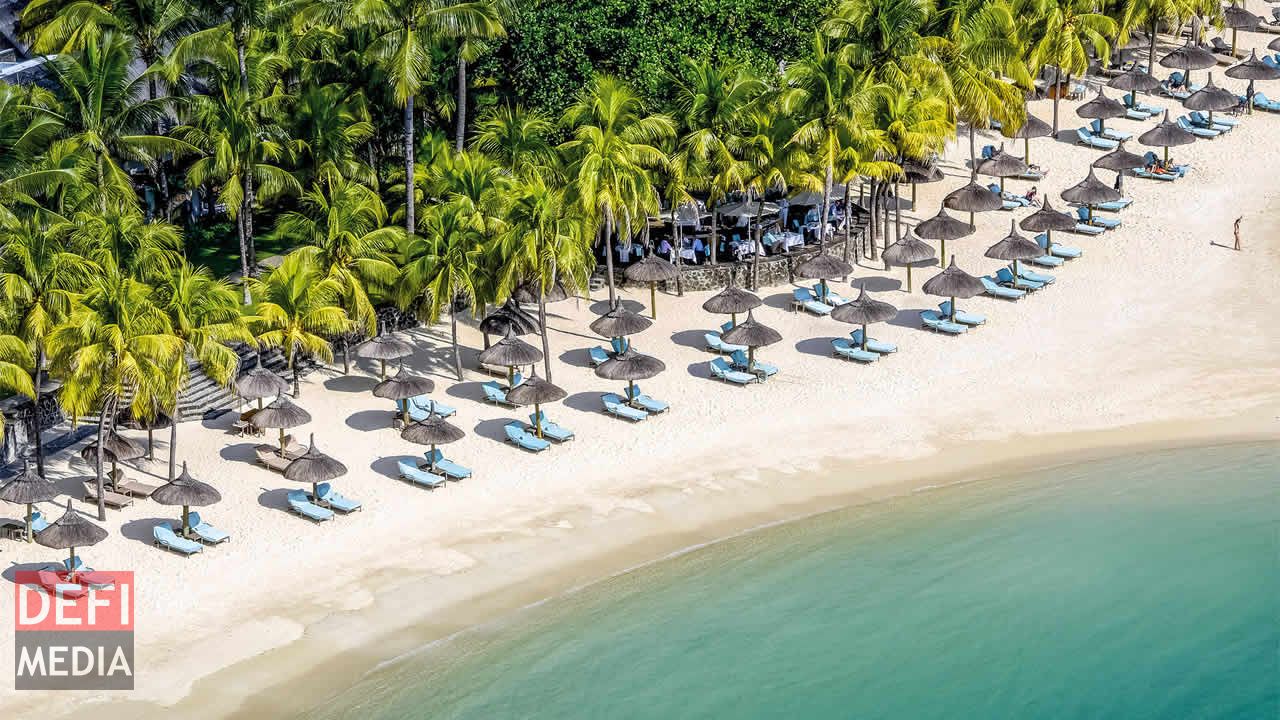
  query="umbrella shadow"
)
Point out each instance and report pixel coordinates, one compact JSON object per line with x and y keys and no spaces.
{"x":820,"y":347}
{"x":908,"y":318}
{"x":699,"y":369}
{"x":690,"y":338}
{"x":242,"y":452}
{"x":389,"y":466}
{"x":276,"y":499}
{"x":473,"y":390}
{"x":1068,"y":136}
{"x":11,"y":573}
{"x":778,"y":301}
{"x":578,"y":357}
{"x":350,"y":383}
{"x":877,"y":283}
{"x":493,"y":429}
{"x":600,"y":307}
{"x":370,"y":420}
{"x":588,"y":402}
{"x":141,"y":529}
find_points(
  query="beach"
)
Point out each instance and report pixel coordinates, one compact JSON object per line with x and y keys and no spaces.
{"x":1160,"y":335}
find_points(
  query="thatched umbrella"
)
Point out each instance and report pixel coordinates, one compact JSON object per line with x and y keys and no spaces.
{"x":115,"y":448}
{"x":536,"y":392}
{"x":751,"y":334}
{"x":1167,"y":134}
{"x":260,"y":383}
{"x":863,"y":310}
{"x":159,"y":421}
{"x":1015,"y":246}
{"x":188,"y":492}
{"x":383,"y":348}
{"x":1237,"y":18}
{"x":914,"y":173}
{"x":631,"y":366}
{"x":973,"y":198}
{"x":1002,"y":165}
{"x":954,"y":283}
{"x":907,"y":252}
{"x":1032,"y":127}
{"x":511,"y":352}
{"x":28,"y":488}
{"x":1046,"y":220}
{"x":510,"y":316}
{"x":731,"y":301}
{"x":943,"y":227}
{"x":314,"y":467}
{"x":1274,"y":45}
{"x":432,"y":430}
{"x":823,"y":266}
{"x":1134,"y":80}
{"x":1120,"y":161}
{"x":1252,"y":69}
{"x":281,"y":414}
{"x":402,"y":386}
{"x":1102,"y":108}
{"x":1091,"y":191}
{"x":69,"y":532}
{"x":652,"y":270}
{"x":528,"y":293}
{"x":620,"y":322}
{"x":1189,"y":57}
{"x":1210,"y":98}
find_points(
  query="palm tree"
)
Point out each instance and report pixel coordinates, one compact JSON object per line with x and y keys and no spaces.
{"x":775,"y":159}
{"x":516,"y":138}
{"x":27,"y":126}
{"x":122,"y":237}
{"x":1150,"y":13}
{"x":615,"y":141}
{"x":39,"y":279}
{"x":16,"y":377}
{"x":471,"y":46}
{"x":330,"y":123}
{"x":295,"y":307}
{"x":712,"y":103}
{"x":546,"y":242}
{"x":116,"y":344}
{"x":1061,"y":35}
{"x":204,"y":314}
{"x":913,"y":126}
{"x":441,"y":267}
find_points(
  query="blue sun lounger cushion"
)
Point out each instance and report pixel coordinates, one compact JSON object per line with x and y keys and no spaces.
{"x":805,"y":299}
{"x":416,"y":476}
{"x":166,"y":538}
{"x":994,"y":289}
{"x":301,"y":504}
{"x":614,"y":405}
{"x":204,"y":531}
{"x":598,"y":356}
{"x":841,"y":347}
{"x":873,"y":344}
{"x":721,"y":370}
{"x":645,"y":402}
{"x":1033,"y":276}
{"x":516,"y":434}
{"x":739,"y":361}
{"x":1006,"y":277}
{"x":935,"y":322}
{"x":445,"y":466}
{"x":549,"y":429}
{"x":1063,"y":251}
{"x":335,"y":500}
{"x":962,"y":317}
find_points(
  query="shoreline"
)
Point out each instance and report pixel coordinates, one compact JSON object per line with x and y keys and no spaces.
{"x":265,"y":688}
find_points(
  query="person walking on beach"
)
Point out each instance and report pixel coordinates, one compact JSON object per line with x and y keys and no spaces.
{"x":1237,"y":231}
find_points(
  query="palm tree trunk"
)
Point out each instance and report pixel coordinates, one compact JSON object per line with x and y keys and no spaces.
{"x":848,"y":218}
{"x":461,"y":130}
{"x":679,"y":259}
{"x":297,"y":384}
{"x":409,"y":223}
{"x":826,"y":204}
{"x":715,"y":234}
{"x":97,"y":463}
{"x":897,"y":213}
{"x":873,"y":224}
{"x":162,"y":175}
{"x":884,"y":192}
{"x":608,"y":259}
{"x":35,"y":381}
{"x":244,"y":257}
{"x":247,"y":214}
{"x":457,"y":355}
{"x":973,"y":155}
{"x":542,"y":327}
{"x":244,"y":69}
{"x":756,"y":249}
{"x":173,"y":437}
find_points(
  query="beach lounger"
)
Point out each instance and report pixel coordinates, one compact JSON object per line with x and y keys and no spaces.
{"x":1109,"y":133}
{"x":805,"y":299}
{"x":1219,"y":122}
{"x":1178,"y":80}
{"x":55,"y":585}
{"x":962,"y":317}
{"x":1005,"y":277}
{"x":932,"y":321}
{"x":1145,"y":173}
{"x":994,"y":289}
{"x":873,"y":344}
{"x":721,"y":371}
{"x":270,"y":459}
{"x":598,"y":356}
{"x":645,"y":402}
{"x":445,"y":466}
{"x":136,"y":489}
{"x":1047,"y":260}
{"x":843,"y":348}
{"x":301,"y":504}
{"x":413,"y":475}
{"x":832,"y":297}
{"x":426,"y":404}
{"x":496,"y":394}
{"x":1063,"y":251}
{"x":1198,"y":132}
{"x":1097,"y":220}
{"x":726,"y":327}
{"x":549,"y":429}
{"x":614,"y":405}
{"x":1034,"y":276}
{"x":1084,"y":137}
{"x":739,"y":361}
{"x":332,"y":499}
{"x":1260,"y":100}
{"x":715,"y":344}
{"x":517,"y":435}
{"x":166,"y":538}
{"x":1176,"y":93}
{"x":38,"y":522}
{"x":1131,"y":102}
{"x":1114,"y":205}
{"x":110,"y":499}
{"x":205,"y":532}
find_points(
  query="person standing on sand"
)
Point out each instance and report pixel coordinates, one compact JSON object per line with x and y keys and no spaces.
{"x":1237,"y":231}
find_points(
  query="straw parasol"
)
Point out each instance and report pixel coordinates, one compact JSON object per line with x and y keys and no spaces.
{"x":973,"y":198}
{"x":1134,"y":80}
{"x":432,"y":430}
{"x":943,"y":227}
{"x":1091,"y":191}
{"x":916,"y":173}
{"x":509,"y":316}
{"x":402,"y":386}
{"x":28,"y":488}
{"x":1210,"y":98}
{"x":1252,"y":69}
{"x":1015,"y":246}
{"x":510,"y":352}
{"x":260,"y":383}
{"x":631,"y":366}
{"x":281,"y":414}
{"x":1102,"y":108}
{"x":823,"y":266}
{"x":751,"y":334}
{"x":954,"y":283}
{"x":620,"y":322}
{"x":1032,"y":127}
{"x":69,"y":532}
{"x":863,"y":310}
{"x":652,"y":270}
{"x":1189,"y":57}
{"x":1237,"y":18}
{"x":115,"y":448}
{"x":1046,"y":220}
{"x":1119,"y":161}
{"x":383,"y":348}
{"x":1002,"y":165}
{"x":1274,"y":45}
{"x":314,"y":467}
{"x":159,"y":421}
{"x":1167,"y":134}
{"x":529,"y":292}
{"x":188,"y":492}
{"x":731,"y":301}
{"x":536,"y":392}
{"x":907,"y":252}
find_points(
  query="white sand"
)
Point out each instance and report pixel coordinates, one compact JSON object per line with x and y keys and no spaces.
{"x":1159,"y":322}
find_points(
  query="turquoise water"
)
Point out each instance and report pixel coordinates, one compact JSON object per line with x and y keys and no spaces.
{"x":1140,"y":587}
